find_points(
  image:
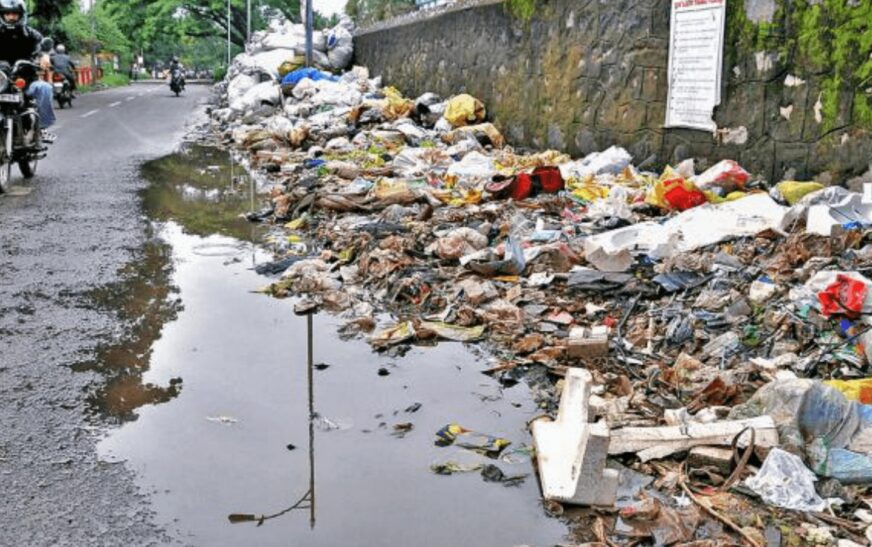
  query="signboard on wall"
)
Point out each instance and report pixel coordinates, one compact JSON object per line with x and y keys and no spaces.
{"x":696,"y":46}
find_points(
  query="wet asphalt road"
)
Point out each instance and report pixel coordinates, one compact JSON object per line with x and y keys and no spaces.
{"x":71,"y":234}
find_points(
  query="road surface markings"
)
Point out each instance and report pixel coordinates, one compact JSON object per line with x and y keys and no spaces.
{"x":130,"y":99}
{"x":91,"y":113}
{"x":113,"y":105}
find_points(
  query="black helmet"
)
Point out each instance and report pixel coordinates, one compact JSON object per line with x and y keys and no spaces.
{"x":13,"y":6}
{"x":175,"y":57}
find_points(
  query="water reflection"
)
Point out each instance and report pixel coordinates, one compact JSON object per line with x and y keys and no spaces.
{"x":201,"y":189}
{"x":144,"y":300}
{"x":308,"y":499}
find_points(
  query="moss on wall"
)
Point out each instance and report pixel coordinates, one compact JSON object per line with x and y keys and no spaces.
{"x":831,"y":39}
{"x":521,"y":9}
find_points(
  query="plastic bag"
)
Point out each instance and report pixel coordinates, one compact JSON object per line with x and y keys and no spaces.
{"x":723,"y":177}
{"x":453,"y":332}
{"x":464,"y":110}
{"x":615,"y":205}
{"x":397,"y":105}
{"x":473,"y":165}
{"x":612,"y":160}
{"x":543,"y":180}
{"x":854,"y":390}
{"x":785,"y":482}
{"x":294,"y":77}
{"x":482,"y":443}
{"x":808,"y":294}
{"x":674,"y":192}
{"x":845,"y":296}
{"x":814,"y":418}
{"x":792,"y":191}
{"x":513,"y":262}
{"x":458,"y":242}
{"x":485,"y":133}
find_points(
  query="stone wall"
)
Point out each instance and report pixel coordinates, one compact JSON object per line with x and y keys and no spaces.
{"x":582,"y":75}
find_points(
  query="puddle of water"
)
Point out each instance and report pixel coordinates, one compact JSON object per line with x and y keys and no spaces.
{"x":144,"y":299}
{"x":201,"y":189}
{"x":238,"y":439}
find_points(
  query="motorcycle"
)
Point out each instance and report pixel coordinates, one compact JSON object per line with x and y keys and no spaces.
{"x":20,"y":136}
{"x":63,"y":91}
{"x":177,"y":81}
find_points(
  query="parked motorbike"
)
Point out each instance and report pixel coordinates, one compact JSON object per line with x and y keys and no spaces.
{"x":177,"y":81}
{"x":63,"y":91}
{"x":20,"y":136}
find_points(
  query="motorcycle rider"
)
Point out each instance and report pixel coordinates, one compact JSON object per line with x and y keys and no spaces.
{"x":17,"y":42}
{"x":62,"y":64}
{"x":175,"y":64}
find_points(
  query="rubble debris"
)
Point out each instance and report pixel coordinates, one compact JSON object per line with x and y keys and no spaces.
{"x":728,"y":301}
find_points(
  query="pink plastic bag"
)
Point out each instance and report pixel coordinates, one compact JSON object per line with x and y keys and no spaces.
{"x":726,"y":175}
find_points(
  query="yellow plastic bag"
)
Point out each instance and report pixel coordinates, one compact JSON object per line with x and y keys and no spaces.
{"x":397,"y":105}
{"x":464,"y":110}
{"x":290,"y":65}
{"x":854,"y":390}
{"x":793,"y":191}
{"x":588,"y":190}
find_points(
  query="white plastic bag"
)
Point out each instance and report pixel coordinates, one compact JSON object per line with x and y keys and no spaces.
{"x":784,"y":481}
{"x":612,"y":160}
{"x":473,"y":166}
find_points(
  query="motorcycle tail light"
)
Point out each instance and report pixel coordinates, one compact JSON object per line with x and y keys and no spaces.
{"x":57,"y":78}
{"x":20,"y":83}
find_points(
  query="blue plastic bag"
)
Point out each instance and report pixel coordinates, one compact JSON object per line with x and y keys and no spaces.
{"x":296,"y":76}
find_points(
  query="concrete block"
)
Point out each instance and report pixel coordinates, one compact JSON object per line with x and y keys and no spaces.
{"x":571,"y":452}
{"x":587,"y":343}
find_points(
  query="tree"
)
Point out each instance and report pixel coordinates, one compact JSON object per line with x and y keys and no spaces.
{"x":46,"y":16}
{"x":95,"y":31}
{"x":205,"y":18}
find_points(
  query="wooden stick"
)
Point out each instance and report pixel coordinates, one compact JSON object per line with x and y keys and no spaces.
{"x":732,"y":525}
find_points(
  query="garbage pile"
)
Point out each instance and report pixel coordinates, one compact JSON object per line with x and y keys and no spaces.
{"x":697,"y":299}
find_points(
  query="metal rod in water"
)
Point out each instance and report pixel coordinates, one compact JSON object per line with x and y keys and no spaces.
{"x":311,"y":421}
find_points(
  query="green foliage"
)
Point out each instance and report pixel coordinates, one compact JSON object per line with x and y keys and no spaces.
{"x":521,"y":9}
{"x":115,"y":79}
{"x":196,"y":30}
{"x":100,"y":30}
{"x":46,"y":16}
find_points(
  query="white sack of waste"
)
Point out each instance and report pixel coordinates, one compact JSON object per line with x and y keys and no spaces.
{"x":263,"y":93}
{"x":295,"y":40}
{"x":267,"y":62}
{"x":340,"y":47}
{"x":240,"y":85}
